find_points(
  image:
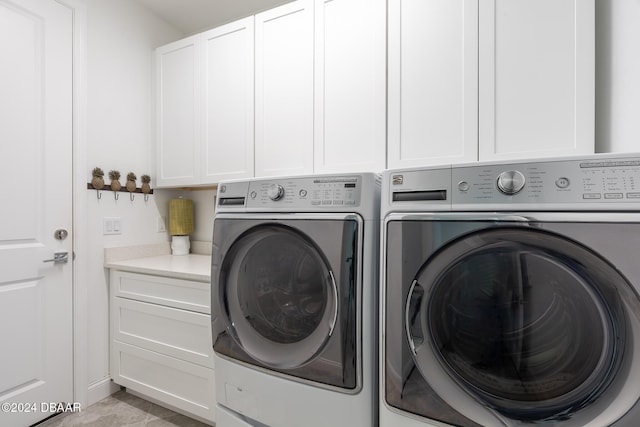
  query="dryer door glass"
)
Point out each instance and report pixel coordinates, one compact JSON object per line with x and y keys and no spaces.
{"x":521,"y":318}
{"x":286,"y":296}
{"x":281,"y":295}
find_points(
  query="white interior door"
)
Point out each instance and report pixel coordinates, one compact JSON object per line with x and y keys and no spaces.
{"x":36,"y":365}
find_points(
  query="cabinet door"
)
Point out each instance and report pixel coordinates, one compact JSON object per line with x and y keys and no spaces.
{"x":350,"y":99}
{"x":536,"y":78}
{"x":227,"y":133}
{"x":182,"y":334}
{"x":178,"y":111}
{"x":433,"y":83}
{"x":183,"y":385}
{"x":284,"y":90}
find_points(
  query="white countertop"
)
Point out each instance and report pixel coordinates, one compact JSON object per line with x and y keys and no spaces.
{"x":187,"y":267}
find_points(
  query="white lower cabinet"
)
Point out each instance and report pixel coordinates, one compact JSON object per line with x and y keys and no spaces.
{"x":160,"y":331}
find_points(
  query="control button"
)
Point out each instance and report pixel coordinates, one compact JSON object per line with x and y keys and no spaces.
{"x":562,"y":182}
{"x":302,"y":193}
{"x":326,"y":202}
{"x":591,"y":196}
{"x":613,"y":195}
{"x":633,"y":195}
{"x":463,"y":186}
{"x":253,"y":194}
{"x":511,"y":182}
{"x":315,"y":202}
{"x":349,"y":202}
{"x":338,"y":202}
{"x":275,"y":192}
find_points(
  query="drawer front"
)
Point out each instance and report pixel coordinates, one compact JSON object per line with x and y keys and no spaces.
{"x":171,"y":331}
{"x":177,"y":383}
{"x":185,"y":294}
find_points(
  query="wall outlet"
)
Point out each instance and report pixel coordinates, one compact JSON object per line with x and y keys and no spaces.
{"x":161,"y":226}
{"x":111,"y":225}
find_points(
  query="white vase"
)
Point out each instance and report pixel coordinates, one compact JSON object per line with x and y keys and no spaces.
{"x":180,"y":245}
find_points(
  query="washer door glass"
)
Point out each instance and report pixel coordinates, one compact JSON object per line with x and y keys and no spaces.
{"x":280,"y":296}
{"x":521,"y":319}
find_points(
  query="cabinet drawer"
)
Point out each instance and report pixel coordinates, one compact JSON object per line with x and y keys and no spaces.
{"x":185,"y":294}
{"x":181,"y":384}
{"x":178,"y":333}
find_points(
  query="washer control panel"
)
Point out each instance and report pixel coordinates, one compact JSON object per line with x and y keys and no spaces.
{"x":311,"y":192}
{"x":563,"y":181}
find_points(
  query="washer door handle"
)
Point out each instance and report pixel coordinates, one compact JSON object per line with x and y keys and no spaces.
{"x":407,"y":317}
{"x":335,"y":301}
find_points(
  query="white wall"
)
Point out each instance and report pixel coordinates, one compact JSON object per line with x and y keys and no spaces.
{"x":121,"y":38}
{"x":204,"y":208}
{"x":617,"y":76}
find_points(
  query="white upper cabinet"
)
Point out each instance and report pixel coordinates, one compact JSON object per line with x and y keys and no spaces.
{"x":433,"y":82}
{"x":297,"y":89}
{"x":205,"y":107}
{"x":350,"y":98}
{"x":284,"y":90}
{"x":536,"y":78}
{"x":311,"y":87}
{"x":178,"y":113}
{"x":227,"y":132}
{"x":489,"y":79}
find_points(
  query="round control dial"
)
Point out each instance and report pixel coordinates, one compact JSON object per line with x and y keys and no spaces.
{"x":275,"y":192}
{"x":511,"y":182}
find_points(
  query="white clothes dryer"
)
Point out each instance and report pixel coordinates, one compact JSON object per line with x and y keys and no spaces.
{"x":510,"y":294}
{"x":294,"y":301}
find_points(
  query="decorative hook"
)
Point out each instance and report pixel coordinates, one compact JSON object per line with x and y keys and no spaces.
{"x":131,"y":196}
{"x":146,"y":197}
{"x":116,"y":195}
{"x":99,"y":194}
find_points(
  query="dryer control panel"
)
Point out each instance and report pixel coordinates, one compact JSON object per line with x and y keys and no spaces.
{"x":596,"y":182}
{"x":556,"y":182}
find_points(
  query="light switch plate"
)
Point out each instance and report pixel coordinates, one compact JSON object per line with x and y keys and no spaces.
{"x":111,"y":225}
{"x":161,"y":224}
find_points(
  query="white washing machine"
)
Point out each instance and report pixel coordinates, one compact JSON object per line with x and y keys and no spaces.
{"x":294,"y":301}
{"x":510,"y":294}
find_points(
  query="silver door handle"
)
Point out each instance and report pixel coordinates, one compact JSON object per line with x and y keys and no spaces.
{"x":59,"y":258}
{"x":407,"y":318}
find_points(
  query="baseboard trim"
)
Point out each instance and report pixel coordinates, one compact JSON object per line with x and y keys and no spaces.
{"x":168,"y":406}
{"x":100,"y":390}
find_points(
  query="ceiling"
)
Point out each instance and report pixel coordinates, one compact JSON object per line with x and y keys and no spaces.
{"x":192,"y":16}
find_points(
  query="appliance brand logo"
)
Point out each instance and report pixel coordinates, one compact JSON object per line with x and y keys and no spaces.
{"x":223,"y":189}
{"x":397,"y":179}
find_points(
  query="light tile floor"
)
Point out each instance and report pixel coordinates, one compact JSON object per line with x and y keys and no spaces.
{"x":122,"y":409}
